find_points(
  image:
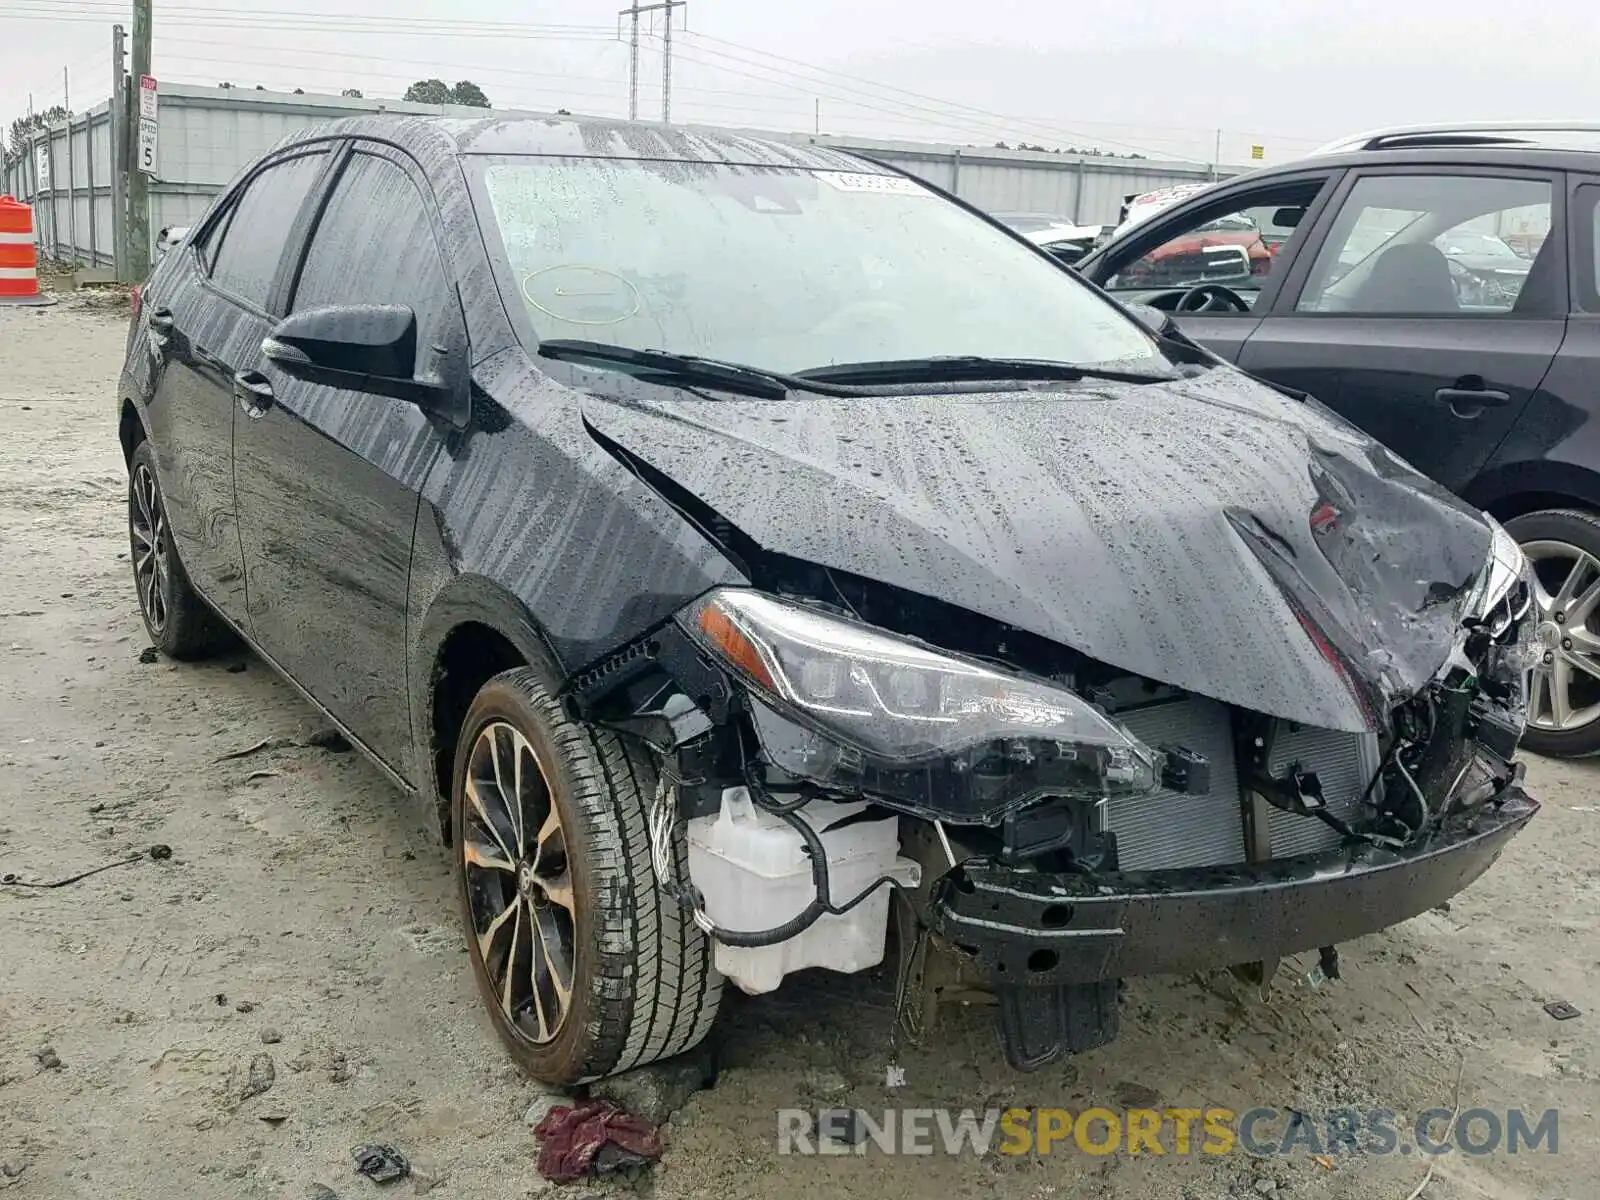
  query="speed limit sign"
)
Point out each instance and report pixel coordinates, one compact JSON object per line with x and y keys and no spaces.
{"x":145,"y":149}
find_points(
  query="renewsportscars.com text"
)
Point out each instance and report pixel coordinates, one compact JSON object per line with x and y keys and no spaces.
{"x":1169,"y":1131}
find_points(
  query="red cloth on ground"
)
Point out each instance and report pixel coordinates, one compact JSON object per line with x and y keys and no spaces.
{"x":569,"y":1138}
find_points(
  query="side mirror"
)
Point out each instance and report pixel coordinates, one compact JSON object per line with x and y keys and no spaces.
{"x":1288,"y":218}
{"x":364,"y":348}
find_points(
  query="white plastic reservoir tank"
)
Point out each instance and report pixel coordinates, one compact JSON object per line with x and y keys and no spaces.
{"x":753,"y":871}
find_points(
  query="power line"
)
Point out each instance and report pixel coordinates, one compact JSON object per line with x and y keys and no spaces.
{"x":1015,"y":123}
{"x":853,"y":98}
{"x":604,"y":90}
{"x":843,"y":88}
{"x":334,"y":24}
{"x":191,"y":14}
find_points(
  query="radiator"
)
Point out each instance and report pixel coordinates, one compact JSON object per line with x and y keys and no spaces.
{"x":1344,"y":762}
{"x":1171,"y":829}
{"x":1167,"y":829}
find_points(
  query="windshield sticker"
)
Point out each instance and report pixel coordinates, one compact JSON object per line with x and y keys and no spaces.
{"x":888,"y":185}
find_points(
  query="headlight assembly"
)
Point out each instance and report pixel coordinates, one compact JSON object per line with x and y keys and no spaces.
{"x":1500,"y":597}
{"x":849,"y":706}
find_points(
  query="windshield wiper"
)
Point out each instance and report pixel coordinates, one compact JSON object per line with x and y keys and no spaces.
{"x":690,"y":368}
{"x":956,"y":368}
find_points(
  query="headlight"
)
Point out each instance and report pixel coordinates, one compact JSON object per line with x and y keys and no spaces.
{"x":849,"y":706}
{"x":1496,"y":599}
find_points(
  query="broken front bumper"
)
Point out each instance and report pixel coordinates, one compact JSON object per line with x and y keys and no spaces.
{"x":1039,"y":930}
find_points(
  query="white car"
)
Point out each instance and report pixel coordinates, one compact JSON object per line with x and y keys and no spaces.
{"x":1142,"y":207}
{"x":170,"y":237}
{"x":1058,"y":236}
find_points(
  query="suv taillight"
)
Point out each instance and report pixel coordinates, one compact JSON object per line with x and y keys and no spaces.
{"x":137,"y":299}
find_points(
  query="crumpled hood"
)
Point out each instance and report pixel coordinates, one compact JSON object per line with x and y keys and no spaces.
{"x":1208,"y":533}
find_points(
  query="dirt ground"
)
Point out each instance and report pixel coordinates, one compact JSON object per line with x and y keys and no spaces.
{"x":306,"y":914}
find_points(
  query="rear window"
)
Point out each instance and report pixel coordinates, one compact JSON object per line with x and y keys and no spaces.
{"x":255,"y":233}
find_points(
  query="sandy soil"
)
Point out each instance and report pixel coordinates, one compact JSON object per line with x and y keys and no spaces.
{"x":306,"y":915}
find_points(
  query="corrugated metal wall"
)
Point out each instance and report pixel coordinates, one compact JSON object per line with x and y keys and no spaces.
{"x":208,"y":134}
{"x":71,"y":194}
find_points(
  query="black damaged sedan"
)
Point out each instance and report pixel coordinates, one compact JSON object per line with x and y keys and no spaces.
{"x":743,"y":548}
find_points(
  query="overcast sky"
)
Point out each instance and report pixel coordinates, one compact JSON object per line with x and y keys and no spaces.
{"x":1156,"y":76}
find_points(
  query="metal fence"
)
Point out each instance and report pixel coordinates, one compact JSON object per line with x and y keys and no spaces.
{"x":208,"y":134}
{"x":66,"y":175}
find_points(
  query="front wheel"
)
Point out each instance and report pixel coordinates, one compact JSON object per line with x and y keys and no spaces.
{"x":586,"y":967}
{"x":1563,"y":547}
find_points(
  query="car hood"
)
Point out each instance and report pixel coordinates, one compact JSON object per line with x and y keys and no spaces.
{"x":1208,"y":533}
{"x":1062,"y":233}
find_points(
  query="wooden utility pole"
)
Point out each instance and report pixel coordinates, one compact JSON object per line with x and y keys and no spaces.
{"x":121,"y":151}
{"x":138,"y":181}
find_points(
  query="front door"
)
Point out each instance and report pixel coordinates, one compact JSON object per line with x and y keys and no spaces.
{"x":1216,"y":263}
{"x":1429,"y":312}
{"x":214,"y":310}
{"x":329,"y":479}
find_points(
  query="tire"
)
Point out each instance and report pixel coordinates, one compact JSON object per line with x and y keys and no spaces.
{"x":181,"y":625}
{"x":641,"y":983}
{"x":1543,"y":535}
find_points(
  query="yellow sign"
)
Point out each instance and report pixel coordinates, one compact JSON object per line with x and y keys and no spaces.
{"x":1258,"y":151}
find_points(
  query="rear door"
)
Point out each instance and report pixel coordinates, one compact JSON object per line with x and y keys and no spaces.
{"x":1412,"y":313}
{"x":329,"y":479}
{"x":204,"y":318}
{"x":1241,"y":238}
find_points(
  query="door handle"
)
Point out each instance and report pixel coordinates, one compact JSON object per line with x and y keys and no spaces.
{"x":160,"y":320}
{"x":1472,"y":398}
{"x":253,"y":391}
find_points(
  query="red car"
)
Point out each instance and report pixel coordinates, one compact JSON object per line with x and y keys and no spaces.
{"x":1230,"y":247}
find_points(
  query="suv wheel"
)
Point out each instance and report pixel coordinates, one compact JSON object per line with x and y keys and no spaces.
{"x":180,"y":624}
{"x":1563,"y":546}
{"x":587,"y":969}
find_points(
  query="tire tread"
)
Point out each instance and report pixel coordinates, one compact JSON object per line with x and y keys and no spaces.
{"x":656,"y":993}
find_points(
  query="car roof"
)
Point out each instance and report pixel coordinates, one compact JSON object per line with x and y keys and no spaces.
{"x":589,"y":137}
{"x":1576,"y":135}
{"x":1548,"y":158}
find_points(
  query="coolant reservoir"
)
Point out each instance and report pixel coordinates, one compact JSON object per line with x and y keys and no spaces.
{"x":752,"y":869}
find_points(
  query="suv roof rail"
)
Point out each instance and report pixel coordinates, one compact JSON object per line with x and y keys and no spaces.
{"x":1463,"y":133}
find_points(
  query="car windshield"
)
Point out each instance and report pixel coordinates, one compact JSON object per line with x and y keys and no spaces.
{"x":782,"y":268}
{"x":1470,"y":241}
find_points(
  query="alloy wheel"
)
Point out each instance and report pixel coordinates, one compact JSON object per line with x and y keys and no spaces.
{"x":152,"y":565}
{"x":1564,"y":690}
{"x":519,"y":882}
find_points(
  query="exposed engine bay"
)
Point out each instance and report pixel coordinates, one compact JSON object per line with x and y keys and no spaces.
{"x":828,"y":742}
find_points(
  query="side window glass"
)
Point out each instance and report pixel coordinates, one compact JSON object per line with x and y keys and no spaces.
{"x":1586,"y":247}
{"x":375,"y":245}
{"x":1432,"y":245}
{"x":246,"y":260}
{"x":1239,"y":248}
{"x":206,"y":247}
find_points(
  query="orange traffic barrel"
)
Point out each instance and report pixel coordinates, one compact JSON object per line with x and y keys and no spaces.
{"x":19,"y":261}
